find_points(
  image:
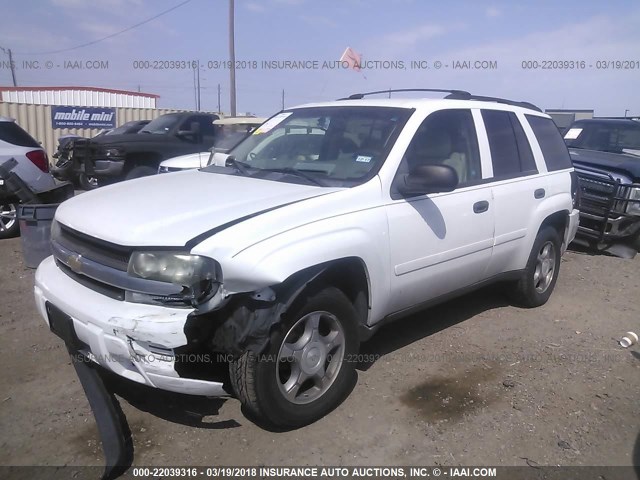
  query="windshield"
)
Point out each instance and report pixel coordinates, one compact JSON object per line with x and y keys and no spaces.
{"x":229,"y":140}
{"x":129,"y":127}
{"x":605,"y":137}
{"x":161,"y":125}
{"x":337,"y":146}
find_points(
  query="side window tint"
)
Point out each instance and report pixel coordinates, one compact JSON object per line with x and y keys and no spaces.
{"x":446,"y":137}
{"x":12,"y":133}
{"x":554,"y":150}
{"x":502,"y":142}
{"x":527,"y":162}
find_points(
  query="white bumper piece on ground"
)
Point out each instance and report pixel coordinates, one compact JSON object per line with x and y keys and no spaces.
{"x":572,"y":229}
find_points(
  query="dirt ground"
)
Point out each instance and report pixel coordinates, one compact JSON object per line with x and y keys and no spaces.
{"x":473,"y":381}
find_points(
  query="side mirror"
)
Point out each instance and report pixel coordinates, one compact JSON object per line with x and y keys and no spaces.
{"x":193,"y":134}
{"x":219,"y":159}
{"x":186,"y":134}
{"x":428,"y":179}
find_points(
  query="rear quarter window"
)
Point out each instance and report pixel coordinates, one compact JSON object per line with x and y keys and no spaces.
{"x":554,"y":150}
{"x":11,"y":133}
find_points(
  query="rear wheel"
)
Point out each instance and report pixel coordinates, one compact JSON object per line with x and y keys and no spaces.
{"x":307,"y":368}
{"x":141,"y":171}
{"x":9,"y":226}
{"x":636,"y":243}
{"x":87,"y":182}
{"x":541,"y":273}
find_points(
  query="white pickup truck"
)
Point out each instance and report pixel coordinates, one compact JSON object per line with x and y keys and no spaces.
{"x":231,"y":131}
{"x":328,"y":221}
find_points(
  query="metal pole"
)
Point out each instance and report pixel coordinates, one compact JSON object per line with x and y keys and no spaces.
{"x":13,"y":69}
{"x":195,"y":94}
{"x":625,"y":110}
{"x":232,"y":59}
{"x":219,"y":111}
{"x":198,"y":89}
{"x":11,"y":65}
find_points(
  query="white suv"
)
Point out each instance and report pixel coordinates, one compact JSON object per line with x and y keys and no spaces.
{"x":328,"y":221}
{"x":32,"y":168}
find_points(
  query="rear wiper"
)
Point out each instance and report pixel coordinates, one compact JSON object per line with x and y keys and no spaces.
{"x":296,"y":173}
{"x":240,"y":167}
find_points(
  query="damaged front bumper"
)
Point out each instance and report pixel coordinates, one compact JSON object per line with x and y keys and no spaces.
{"x":142,"y":343}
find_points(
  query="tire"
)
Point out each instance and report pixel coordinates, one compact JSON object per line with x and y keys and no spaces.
{"x":541,"y":273}
{"x":9,"y":226}
{"x":636,"y":242}
{"x":87,"y":183}
{"x":313,"y":365}
{"x":141,"y":171}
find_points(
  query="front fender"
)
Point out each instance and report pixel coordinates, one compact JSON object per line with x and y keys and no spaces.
{"x":272,"y":261}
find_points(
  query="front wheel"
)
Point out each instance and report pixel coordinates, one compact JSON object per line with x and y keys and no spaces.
{"x":541,"y":273}
{"x":9,"y":226}
{"x":307,"y":369}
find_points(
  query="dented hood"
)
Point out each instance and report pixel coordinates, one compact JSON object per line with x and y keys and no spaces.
{"x":172,"y":209}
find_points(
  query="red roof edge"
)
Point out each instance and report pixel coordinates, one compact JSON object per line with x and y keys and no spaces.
{"x":91,"y":89}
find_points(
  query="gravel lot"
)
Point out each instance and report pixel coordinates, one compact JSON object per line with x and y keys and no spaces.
{"x":473,"y":381}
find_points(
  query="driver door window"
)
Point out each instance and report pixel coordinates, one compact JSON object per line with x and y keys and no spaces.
{"x":446,"y":137}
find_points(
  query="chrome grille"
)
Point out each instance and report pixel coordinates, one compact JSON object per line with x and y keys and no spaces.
{"x":596,"y":194}
{"x":111,"y":255}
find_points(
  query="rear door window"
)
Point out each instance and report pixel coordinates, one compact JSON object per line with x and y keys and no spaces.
{"x":554,"y":150}
{"x":503,"y":144}
{"x":11,"y":133}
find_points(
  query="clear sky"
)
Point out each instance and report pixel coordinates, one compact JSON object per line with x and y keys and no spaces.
{"x":389,"y":34}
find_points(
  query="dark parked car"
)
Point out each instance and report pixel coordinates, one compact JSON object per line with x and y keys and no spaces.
{"x":63,"y":169}
{"x":111,"y":158}
{"x":606,"y":156}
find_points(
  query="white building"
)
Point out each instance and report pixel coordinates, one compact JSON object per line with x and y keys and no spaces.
{"x":78,"y":96}
{"x":35,"y":109}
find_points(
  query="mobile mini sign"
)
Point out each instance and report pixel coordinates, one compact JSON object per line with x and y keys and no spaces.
{"x":83,"y":117}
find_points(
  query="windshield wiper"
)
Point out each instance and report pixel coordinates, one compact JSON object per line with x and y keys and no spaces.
{"x":240,"y":167}
{"x":632,"y":151}
{"x":296,"y":173}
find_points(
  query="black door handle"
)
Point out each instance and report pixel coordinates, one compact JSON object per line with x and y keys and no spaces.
{"x":481,"y":207}
{"x":539,"y":193}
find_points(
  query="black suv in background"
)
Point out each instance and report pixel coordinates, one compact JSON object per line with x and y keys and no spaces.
{"x":606,"y":156}
{"x":63,"y":168}
{"x":111,"y":158}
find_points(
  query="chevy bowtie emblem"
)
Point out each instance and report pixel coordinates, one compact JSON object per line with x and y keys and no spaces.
{"x":75,"y":263}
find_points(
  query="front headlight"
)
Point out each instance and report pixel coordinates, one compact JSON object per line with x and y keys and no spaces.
{"x":55,"y":230}
{"x":198,"y":276}
{"x":113,"y":152}
{"x":633,"y":208}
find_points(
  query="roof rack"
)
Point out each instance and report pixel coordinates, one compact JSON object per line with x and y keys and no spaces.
{"x":453,"y":95}
{"x":480,"y":98}
{"x":358,"y":96}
